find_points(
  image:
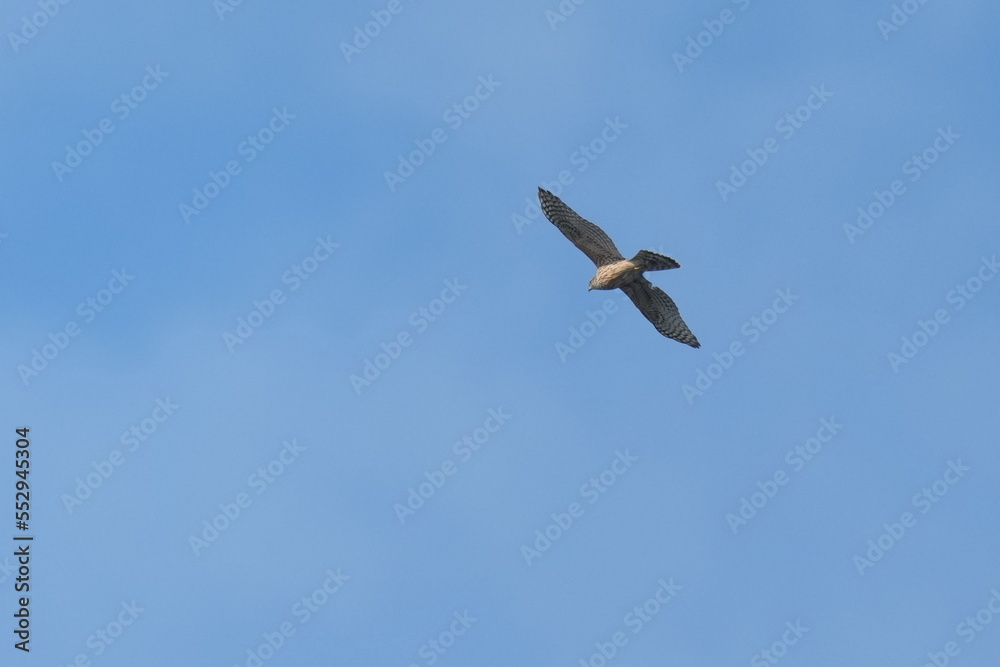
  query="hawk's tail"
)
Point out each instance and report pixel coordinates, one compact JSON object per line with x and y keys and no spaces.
{"x":654,"y":261}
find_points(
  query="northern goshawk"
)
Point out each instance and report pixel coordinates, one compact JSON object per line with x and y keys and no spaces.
{"x":614,"y":271}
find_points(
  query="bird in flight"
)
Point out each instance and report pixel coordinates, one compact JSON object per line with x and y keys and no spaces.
{"x":614,"y":271}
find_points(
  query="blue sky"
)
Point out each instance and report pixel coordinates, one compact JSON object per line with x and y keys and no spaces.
{"x":310,"y":381}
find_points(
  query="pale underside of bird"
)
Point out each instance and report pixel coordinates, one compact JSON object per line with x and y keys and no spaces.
{"x":614,"y":271}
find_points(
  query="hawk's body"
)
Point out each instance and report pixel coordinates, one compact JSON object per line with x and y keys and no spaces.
{"x":614,"y":271}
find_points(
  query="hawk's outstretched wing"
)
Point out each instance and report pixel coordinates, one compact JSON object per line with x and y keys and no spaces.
{"x":661,"y":310}
{"x":584,"y":234}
